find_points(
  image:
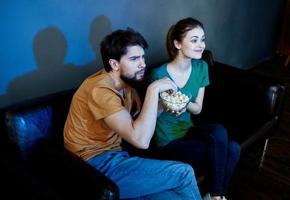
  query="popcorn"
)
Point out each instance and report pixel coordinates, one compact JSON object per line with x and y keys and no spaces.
{"x":174,"y":102}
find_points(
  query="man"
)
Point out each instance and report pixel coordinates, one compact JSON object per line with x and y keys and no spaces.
{"x":99,"y":118}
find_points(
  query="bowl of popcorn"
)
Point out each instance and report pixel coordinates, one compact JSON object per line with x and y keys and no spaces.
{"x":175,"y":101}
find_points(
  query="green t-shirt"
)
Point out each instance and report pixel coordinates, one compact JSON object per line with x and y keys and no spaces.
{"x":170,"y":127}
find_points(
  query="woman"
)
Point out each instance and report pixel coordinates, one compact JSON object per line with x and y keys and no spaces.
{"x":175,"y":135}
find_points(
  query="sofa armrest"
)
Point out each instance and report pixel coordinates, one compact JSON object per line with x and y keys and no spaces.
{"x":69,"y":175}
{"x":32,"y":134}
{"x":242,"y":101}
{"x":251,"y":95}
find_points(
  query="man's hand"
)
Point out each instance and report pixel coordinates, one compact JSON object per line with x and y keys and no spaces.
{"x":164,"y":84}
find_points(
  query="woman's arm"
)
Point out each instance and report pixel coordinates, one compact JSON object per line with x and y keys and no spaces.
{"x":196,"y":107}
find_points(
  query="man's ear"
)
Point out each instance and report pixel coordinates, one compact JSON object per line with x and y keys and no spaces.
{"x":114,"y":64}
{"x":176,"y":44}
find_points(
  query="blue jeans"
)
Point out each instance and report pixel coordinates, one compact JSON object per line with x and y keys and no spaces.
{"x":139,"y":178}
{"x":206,"y":145}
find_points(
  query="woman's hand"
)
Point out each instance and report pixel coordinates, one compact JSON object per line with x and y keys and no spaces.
{"x":176,"y":113}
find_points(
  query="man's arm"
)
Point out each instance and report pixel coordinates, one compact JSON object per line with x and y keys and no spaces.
{"x":139,"y":132}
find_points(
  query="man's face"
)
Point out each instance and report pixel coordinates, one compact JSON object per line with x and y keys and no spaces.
{"x":132,"y":65}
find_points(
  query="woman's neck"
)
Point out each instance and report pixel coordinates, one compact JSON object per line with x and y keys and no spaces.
{"x":180,"y":70}
{"x":180,"y":64}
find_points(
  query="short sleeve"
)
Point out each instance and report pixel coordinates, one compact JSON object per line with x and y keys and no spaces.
{"x":204,"y":74}
{"x":103,"y":102}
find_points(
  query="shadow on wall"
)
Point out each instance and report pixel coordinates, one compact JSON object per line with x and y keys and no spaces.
{"x":49,"y":49}
{"x":52,"y":75}
{"x":99,"y":28}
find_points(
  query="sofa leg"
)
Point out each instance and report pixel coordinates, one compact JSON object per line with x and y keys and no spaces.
{"x":263,"y":154}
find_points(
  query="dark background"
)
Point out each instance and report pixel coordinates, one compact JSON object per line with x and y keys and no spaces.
{"x":49,"y":46}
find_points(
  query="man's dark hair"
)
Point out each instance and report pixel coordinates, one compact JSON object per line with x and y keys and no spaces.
{"x":114,"y":46}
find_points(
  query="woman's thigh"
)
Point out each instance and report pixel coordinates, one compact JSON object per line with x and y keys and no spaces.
{"x":187,"y":150}
{"x":209,"y":133}
{"x":194,"y":148}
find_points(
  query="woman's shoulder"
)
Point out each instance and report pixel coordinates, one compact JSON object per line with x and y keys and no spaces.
{"x":159,"y":68}
{"x":200,"y":64}
{"x":156,"y":72}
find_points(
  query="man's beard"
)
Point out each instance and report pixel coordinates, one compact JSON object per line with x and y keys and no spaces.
{"x":134,"y":81}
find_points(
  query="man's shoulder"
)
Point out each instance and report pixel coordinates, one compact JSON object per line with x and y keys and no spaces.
{"x":96,"y":85}
{"x":97,"y":76}
{"x":99,"y":79}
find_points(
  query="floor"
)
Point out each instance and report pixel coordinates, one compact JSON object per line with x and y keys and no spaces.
{"x":272,"y":180}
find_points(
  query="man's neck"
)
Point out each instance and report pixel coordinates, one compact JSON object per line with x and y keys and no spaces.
{"x":118,"y":83}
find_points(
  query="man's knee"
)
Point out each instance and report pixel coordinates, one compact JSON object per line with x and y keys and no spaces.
{"x":187,"y":173}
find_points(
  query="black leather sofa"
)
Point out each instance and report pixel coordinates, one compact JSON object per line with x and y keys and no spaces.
{"x":33,"y":156}
{"x":247,"y":104}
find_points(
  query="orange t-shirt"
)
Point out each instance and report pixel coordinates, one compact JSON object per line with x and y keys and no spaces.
{"x":85,"y":132}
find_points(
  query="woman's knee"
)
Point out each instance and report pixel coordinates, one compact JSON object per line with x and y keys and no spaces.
{"x":234,"y":149}
{"x":219,"y":134}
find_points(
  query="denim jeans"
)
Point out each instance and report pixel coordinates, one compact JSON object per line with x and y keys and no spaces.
{"x":140,"y":178}
{"x":206,"y":145}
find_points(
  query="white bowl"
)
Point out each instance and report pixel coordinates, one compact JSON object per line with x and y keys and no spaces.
{"x":175,"y":102}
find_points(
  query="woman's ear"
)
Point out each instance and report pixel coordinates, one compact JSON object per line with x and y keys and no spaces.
{"x":114,"y":64}
{"x":176,"y":44}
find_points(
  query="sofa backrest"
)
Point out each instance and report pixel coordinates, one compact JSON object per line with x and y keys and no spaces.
{"x":28,"y":122}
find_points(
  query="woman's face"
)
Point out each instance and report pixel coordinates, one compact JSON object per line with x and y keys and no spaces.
{"x":193,"y":44}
